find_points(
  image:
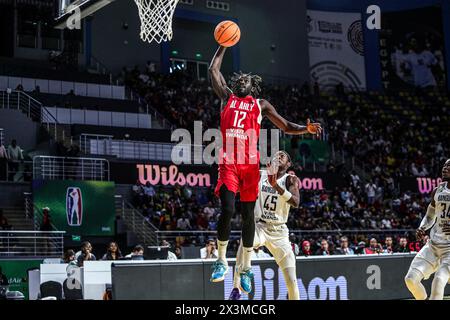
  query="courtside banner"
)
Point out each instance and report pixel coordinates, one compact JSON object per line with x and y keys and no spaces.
{"x":84,"y":208}
{"x":169,"y":174}
{"x":336,"y":49}
{"x":16,"y":273}
{"x":368,"y":277}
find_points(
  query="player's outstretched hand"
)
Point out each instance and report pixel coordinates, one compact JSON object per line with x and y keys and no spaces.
{"x":420,"y":233}
{"x":313,"y":127}
{"x":272,"y":170}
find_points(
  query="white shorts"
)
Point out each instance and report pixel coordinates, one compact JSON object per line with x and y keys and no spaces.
{"x":430,"y":258}
{"x":276,"y":239}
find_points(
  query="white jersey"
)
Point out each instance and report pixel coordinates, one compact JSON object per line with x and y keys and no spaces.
{"x":270,"y":206}
{"x":442,"y":209}
{"x":420,"y":64}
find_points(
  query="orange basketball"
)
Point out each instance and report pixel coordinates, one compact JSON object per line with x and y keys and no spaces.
{"x":227,"y":33}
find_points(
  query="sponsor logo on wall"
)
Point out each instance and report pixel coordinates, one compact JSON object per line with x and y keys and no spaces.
{"x":307,"y":183}
{"x":426,"y":185}
{"x":74,"y":207}
{"x":336,"y":49}
{"x":159,"y":175}
{"x":267,"y":288}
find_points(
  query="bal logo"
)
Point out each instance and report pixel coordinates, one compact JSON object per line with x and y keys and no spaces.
{"x":74,"y":206}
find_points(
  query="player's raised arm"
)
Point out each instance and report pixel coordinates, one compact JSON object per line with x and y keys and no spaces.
{"x":429,"y":218}
{"x":293,"y":187}
{"x":288,"y":127}
{"x":218,"y":81}
{"x":292,"y":193}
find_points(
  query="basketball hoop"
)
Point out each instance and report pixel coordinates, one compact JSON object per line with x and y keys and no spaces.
{"x":156,"y":19}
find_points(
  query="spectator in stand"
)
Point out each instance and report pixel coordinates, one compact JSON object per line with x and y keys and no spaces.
{"x":374,"y":247}
{"x":4,"y":225}
{"x":209,"y":251}
{"x":403,"y":246}
{"x":306,"y":248}
{"x":137,"y":253}
{"x":388,"y":245}
{"x":370,"y":192}
{"x":345,"y":194}
{"x":19,"y":87}
{"x":294,"y":245}
{"x":46,"y":222}
{"x":414,"y":170}
{"x":178,"y":252}
{"x":355,"y":179}
{"x":15,"y":156}
{"x":361,"y":248}
{"x":209,"y":211}
{"x":183,"y":223}
{"x":170,"y":255}
{"x":85,"y":254}
{"x":3,"y":162}
{"x":324,"y":249}
{"x":69,"y":256}
{"x":212,"y":225}
{"x":149,"y":191}
{"x":344,"y":249}
{"x":138,"y":194}
{"x":113,"y":252}
{"x":201,"y":222}
{"x":350,"y":202}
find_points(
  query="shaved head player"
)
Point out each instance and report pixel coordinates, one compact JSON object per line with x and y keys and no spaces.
{"x":240,"y":122}
{"x":435,"y":255}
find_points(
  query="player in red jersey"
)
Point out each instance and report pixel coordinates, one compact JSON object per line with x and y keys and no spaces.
{"x":240,"y":122}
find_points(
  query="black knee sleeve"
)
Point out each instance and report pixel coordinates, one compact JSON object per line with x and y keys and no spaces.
{"x":248,"y":223}
{"x":227,"y":199}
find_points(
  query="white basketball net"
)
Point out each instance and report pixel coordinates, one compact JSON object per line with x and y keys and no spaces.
{"x":156,"y":19}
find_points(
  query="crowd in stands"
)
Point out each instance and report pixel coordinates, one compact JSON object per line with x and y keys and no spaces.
{"x":392,"y":134}
{"x":112,"y":252}
{"x":302,"y":246}
{"x":389,"y":136}
{"x":10,"y":158}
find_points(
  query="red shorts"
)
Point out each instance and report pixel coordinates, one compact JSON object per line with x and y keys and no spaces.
{"x":242,"y":178}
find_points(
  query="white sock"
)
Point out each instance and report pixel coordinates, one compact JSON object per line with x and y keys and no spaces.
{"x":246,"y":259}
{"x":413,"y":282}
{"x":237,"y":276}
{"x":439,"y":282}
{"x":222,"y":248}
{"x":290,"y":277}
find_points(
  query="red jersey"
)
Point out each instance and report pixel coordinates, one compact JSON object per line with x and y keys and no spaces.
{"x":240,"y":123}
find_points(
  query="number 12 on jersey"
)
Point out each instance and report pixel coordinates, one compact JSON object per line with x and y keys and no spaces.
{"x":239,"y":116}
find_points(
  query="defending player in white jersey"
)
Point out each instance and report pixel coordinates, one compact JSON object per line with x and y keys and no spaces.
{"x":278,"y":191}
{"x":435,"y":255}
